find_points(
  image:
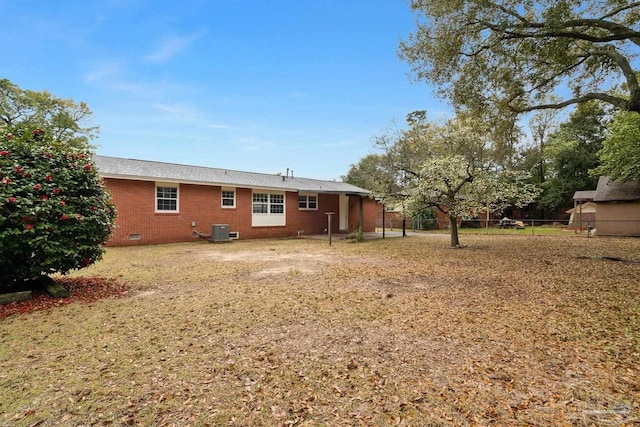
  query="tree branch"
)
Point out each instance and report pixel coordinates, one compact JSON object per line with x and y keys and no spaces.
{"x":620,"y":9}
{"x":633,"y":36}
{"x":629,"y":74}
{"x":558,"y":74}
{"x":621,"y":103}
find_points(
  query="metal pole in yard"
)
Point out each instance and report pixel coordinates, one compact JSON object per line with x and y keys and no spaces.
{"x":486,"y":225}
{"x":383,"y":224}
{"x":329,"y":215}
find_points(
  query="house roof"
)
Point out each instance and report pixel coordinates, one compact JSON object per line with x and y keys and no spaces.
{"x":588,"y":207}
{"x":584,"y":196}
{"x":144,"y":170}
{"x":612,"y":191}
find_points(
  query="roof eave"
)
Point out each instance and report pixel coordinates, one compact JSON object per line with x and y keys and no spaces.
{"x":229,"y":185}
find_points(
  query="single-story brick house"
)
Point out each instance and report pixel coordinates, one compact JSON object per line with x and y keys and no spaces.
{"x":165,"y":202}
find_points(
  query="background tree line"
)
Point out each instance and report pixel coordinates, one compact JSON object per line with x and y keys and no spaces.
{"x":500,"y":64}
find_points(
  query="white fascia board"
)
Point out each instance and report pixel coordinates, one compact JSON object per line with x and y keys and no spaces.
{"x":180,"y":181}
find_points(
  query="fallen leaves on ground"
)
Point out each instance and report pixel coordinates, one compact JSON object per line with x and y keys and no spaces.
{"x":82,"y":290}
{"x":510,"y":330}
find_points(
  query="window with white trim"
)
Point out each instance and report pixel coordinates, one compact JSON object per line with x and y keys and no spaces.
{"x":228,"y":198}
{"x":308,"y":202}
{"x":268,"y":209}
{"x":276,"y":203}
{"x":260,"y":203}
{"x":166,"y":198}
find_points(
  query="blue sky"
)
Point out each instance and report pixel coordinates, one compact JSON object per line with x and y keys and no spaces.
{"x":254,"y":85}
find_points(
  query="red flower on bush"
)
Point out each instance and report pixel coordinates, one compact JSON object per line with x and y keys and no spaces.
{"x":10,"y":136}
{"x":34,"y":208}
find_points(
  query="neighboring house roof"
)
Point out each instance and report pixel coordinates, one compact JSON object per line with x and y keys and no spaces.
{"x":115,"y":167}
{"x":588,"y":207}
{"x":584,"y":196}
{"x":612,"y":191}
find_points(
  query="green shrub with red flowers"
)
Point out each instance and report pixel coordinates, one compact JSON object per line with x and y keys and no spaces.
{"x":55,"y":211}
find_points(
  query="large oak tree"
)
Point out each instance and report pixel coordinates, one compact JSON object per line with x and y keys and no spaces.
{"x":500,"y":58}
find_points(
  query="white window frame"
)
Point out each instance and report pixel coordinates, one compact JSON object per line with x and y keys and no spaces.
{"x":276,"y":204}
{"x":177,"y":198}
{"x":223,"y":198}
{"x":269,"y":202}
{"x":261,"y":200}
{"x":304,"y":201}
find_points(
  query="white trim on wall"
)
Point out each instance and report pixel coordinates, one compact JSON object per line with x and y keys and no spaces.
{"x":268,"y":208}
{"x":230,"y":196}
{"x":167,"y":197}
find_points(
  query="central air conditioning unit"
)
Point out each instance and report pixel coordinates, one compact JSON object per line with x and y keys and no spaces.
{"x":220,"y":233}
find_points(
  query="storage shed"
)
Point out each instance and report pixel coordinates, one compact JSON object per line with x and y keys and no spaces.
{"x":617,"y":207}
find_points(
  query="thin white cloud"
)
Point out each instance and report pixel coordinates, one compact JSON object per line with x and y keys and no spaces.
{"x":110,"y":75}
{"x":182,"y":113}
{"x":253,"y":144}
{"x":105,"y":72}
{"x":178,"y":112}
{"x":220,"y":126}
{"x":113,"y":75}
{"x":172,"y":46}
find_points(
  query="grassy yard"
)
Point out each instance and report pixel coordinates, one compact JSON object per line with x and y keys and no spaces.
{"x":538,"y":230}
{"x":511,"y":330}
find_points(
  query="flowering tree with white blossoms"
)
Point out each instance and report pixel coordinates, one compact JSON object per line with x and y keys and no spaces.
{"x":451,"y":167}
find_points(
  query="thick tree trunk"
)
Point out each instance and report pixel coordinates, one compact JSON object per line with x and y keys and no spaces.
{"x":54,"y":289}
{"x":14,"y":297}
{"x":453,"y":227}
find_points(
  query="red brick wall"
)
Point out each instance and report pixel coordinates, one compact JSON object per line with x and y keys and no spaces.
{"x":369,"y":206}
{"x":135,"y":202}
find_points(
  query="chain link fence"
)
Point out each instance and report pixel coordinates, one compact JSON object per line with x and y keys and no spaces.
{"x":530,"y":226}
